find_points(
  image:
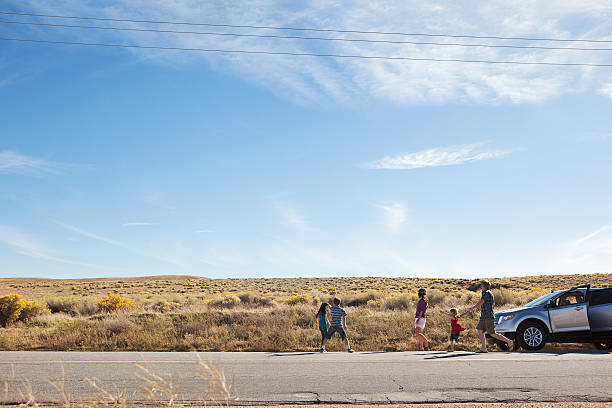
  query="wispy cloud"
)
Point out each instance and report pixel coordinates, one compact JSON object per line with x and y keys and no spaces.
{"x":403,"y":82}
{"x":439,"y":156}
{"x":138,"y":224}
{"x":590,"y":236}
{"x":109,"y":241}
{"x":588,"y":254}
{"x":204,"y":231}
{"x":290,"y":214}
{"x":25,"y":244}
{"x":16,"y":163}
{"x":395,"y":215}
{"x":90,"y":235}
{"x":606,"y":90}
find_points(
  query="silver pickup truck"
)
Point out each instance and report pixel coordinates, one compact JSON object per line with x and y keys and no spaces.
{"x":577,"y":315}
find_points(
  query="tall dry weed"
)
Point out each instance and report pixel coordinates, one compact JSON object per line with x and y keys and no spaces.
{"x":158,"y":389}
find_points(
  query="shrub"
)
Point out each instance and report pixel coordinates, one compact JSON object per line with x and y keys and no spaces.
{"x":250,"y":298}
{"x":86,"y":307}
{"x":10,"y":308}
{"x":32,"y":309}
{"x":435,"y":296}
{"x":118,"y":326}
{"x":61,"y":305}
{"x":361,"y":298}
{"x":505,"y":296}
{"x":115,"y":303}
{"x":14,"y":308}
{"x":164,"y":306}
{"x":225,"y":301}
{"x":399,"y":302}
{"x":301,"y":298}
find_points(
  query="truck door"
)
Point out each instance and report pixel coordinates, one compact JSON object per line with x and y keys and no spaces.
{"x":569,"y":312}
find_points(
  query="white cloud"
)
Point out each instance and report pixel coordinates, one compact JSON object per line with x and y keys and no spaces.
{"x":26,"y":245}
{"x":79,"y":231}
{"x":138,"y":224}
{"x":204,"y":231}
{"x":439,"y":156}
{"x":90,"y":235}
{"x":21,"y":242}
{"x":16,"y":163}
{"x":395,"y":215}
{"x":290,"y":215}
{"x":309,"y":79}
{"x":590,"y":236}
{"x":606,"y":90}
{"x":589,"y":254}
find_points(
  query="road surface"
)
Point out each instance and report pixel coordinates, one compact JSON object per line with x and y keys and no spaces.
{"x":281,"y":378}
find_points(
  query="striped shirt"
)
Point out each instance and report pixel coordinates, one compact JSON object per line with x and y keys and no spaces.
{"x":486,"y":310}
{"x":336,"y":315}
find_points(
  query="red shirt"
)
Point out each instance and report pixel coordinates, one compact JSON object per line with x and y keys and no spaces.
{"x":456,"y":327}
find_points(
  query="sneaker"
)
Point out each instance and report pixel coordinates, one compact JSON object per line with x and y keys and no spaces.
{"x":322,"y":351}
{"x":350,"y":350}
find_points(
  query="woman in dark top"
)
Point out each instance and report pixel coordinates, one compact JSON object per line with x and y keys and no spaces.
{"x":420,"y":320}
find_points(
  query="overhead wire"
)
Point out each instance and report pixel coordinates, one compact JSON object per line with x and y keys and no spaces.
{"x":359,"y":40}
{"x":306,"y":28}
{"x":301,"y":54}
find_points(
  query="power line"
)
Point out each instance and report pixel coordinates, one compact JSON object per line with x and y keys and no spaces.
{"x":306,"y":29}
{"x":307,"y":54}
{"x":152,"y":30}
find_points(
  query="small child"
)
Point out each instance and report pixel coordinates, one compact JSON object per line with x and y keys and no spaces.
{"x":456,"y":328}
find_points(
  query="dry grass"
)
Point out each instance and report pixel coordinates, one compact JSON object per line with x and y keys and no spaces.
{"x":185,"y":313}
{"x":155,"y":388}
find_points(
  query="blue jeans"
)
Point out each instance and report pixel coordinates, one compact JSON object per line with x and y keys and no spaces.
{"x":323,"y":331}
{"x":334,"y":329}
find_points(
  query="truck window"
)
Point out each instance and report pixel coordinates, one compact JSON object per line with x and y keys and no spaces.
{"x":570,"y":298}
{"x":601,"y":296}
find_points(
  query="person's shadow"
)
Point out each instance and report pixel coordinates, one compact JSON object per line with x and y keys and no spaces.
{"x":449,"y":355}
{"x":288,"y":354}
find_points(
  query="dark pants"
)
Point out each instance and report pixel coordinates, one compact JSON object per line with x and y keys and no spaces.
{"x":323,"y":334}
{"x":334,"y":329}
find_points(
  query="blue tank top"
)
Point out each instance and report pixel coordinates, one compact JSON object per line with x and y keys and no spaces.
{"x":322,"y":322}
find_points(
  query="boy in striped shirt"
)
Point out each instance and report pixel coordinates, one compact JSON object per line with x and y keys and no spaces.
{"x":338,"y":324}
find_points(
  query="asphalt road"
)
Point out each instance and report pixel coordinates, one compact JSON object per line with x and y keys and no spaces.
{"x":272,"y":378}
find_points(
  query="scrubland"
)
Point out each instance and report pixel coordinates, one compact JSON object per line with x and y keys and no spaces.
{"x":184,"y":313}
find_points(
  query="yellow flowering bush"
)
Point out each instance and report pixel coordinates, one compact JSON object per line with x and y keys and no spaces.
{"x":301,"y":298}
{"x":14,"y":308}
{"x":115,"y":303}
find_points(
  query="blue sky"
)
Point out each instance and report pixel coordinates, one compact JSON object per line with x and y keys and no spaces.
{"x":119,"y":162}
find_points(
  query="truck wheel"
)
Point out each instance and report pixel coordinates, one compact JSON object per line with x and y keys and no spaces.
{"x":531,"y":335}
{"x":603,"y":346}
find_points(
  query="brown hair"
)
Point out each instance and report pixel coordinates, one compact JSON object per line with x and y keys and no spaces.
{"x":423,"y":295}
{"x":337,"y":301}
{"x":486,"y":284}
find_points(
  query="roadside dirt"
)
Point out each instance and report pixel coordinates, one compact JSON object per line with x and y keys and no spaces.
{"x":471,"y":405}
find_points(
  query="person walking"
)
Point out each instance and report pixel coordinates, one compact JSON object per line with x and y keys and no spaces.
{"x":486,"y":324}
{"x":420,"y":319}
{"x":456,"y":327}
{"x":323,"y":319}
{"x":338,"y":324}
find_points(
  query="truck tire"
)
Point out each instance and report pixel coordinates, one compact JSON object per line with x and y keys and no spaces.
{"x":531,"y":335}
{"x":603,"y":346}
